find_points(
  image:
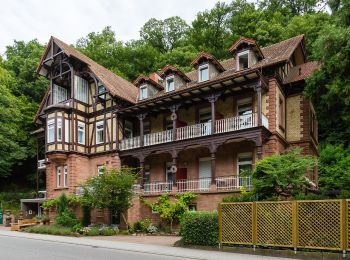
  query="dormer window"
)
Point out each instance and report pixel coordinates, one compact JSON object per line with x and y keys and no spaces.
{"x":101,"y":90}
{"x":170,"y":86}
{"x":203,"y":72}
{"x":243,"y":60}
{"x":143,"y":92}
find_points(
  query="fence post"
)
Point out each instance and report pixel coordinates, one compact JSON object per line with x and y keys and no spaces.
{"x":295,"y":224}
{"x":220,"y":224}
{"x":344,"y":225}
{"x":255,"y":224}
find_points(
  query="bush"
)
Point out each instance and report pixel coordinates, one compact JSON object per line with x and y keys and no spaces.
{"x":200,"y":228}
{"x":66,"y":219}
{"x":99,"y":230}
{"x":50,"y":230}
{"x":142,"y":225}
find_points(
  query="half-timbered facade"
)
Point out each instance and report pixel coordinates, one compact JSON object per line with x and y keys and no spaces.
{"x":193,"y":131}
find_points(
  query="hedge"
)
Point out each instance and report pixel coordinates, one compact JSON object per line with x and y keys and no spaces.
{"x":200,"y":228}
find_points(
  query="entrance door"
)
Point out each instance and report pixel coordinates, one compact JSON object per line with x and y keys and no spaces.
{"x":204,"y":173}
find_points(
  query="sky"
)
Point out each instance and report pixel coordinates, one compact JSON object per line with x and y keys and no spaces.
{"x":70,"y":20}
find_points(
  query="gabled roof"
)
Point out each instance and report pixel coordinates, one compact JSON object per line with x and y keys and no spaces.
{"x":116,"y":85}
{"x":301,"y":72}
{"x":209,"y":57}
{"x":171,"y":68}
{"x":142,"y":78}
{"x":247,"y":41}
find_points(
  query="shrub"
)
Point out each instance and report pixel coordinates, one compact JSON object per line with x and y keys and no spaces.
{"x":200,"y":228}
{"x":50,"y":230}
{"x":142,"y":225}
{"x":152,"y":229}
{"x":66,"y":219}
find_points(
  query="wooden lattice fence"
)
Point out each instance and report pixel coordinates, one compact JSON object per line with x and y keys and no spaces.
{"x":316,"y":224}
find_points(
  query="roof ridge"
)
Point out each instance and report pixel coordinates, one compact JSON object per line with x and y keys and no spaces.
{"x":283,"y":41}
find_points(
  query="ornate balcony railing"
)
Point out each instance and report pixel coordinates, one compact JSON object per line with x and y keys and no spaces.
{"x":198,"y":130}
{"x":157,"y":187}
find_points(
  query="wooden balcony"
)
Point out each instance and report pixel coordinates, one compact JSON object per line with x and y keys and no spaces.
{"x":224,"y":183}
{"x":194,"y":131}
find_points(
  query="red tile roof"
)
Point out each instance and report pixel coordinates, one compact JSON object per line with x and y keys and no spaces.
{"x":210,"y":57}
{"x":241,"y":40}
{"x":174,"y":69}
{"x":301,"y":72}
{"x":141,"y":78}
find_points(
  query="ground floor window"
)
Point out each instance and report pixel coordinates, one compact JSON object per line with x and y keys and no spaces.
{"x":245,"y":162}
{"x":192,"y":207}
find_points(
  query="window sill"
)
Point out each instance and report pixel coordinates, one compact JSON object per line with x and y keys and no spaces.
{"x":61,"y":188}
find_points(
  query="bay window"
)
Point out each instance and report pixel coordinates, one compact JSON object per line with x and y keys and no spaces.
{"x":99,"y":132}
{"x":81,"y":133}
{"x":59,"y":94}
{"x":81,"y":88}
{"x":59,"y":130}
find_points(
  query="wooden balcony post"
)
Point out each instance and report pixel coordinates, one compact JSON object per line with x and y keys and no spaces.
{"x":258,"y":90}
{"x":117,"y":130}
{"x":142,"y":170}
{"x":141,"y":117}
{"x":212,"y":149}
{"x":212,"y":99}
{"x":174,"y":165}
{"x":173,"y":110}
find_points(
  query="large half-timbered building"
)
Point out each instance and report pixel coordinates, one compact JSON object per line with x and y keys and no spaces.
{"x":191,"y":131}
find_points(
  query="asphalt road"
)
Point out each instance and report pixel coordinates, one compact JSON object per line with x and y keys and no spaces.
{"x":14,"y":248}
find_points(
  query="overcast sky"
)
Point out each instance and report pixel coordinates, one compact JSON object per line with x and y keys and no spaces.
{"x":69,"y":20}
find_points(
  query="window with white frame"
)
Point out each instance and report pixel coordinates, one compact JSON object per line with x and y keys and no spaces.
{"x":242,"y":60}
{"x":65,"y":176}
{"x":81,"y":88}
{"x":51,"y":131}
{"x":203,"y":73}
{"x":81,"y":133}
{"x":170,"y":86}
{"x":101,"y":169}
{"x":99,"y":132}
{"x":244,"y":162}
{"x":66,"y":130}
{"x":143,"y":92}
{"x":59,"y":94}
{"x":59,"y":129}
{"x":58,"y":176}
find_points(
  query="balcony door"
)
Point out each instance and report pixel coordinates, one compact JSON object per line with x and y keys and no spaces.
{"x":205,"y":120}
{"x":245,"y":110}
{"x":204,"y":173}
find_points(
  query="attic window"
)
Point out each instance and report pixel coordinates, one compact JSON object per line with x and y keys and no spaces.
{"x":170,"y":84}
{"x":143,"y":92}
{"x":203,"y":73}
{"x":243,"y":60}
{"x":101,"y":91}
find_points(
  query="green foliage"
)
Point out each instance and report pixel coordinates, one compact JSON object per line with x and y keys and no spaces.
{"x":50,"y":230}
{"x":72,"y":200}
{"x":281,"y":175}
{"x":112,"y":190}
{"x":66,"y":218}
{"x":171,"y":210}
{"x":200,"y":228}
{"x":11,"y":200}
{"x":334,"y":167}
{"x":244,"y":196}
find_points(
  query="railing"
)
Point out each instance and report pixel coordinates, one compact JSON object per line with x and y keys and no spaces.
{"x":130,"y":143}
{"x":232,"y":182}
{"x":158,"y":138}
{"x":185,"y":185}
{"x":197,"y":130}
{"x":158,"y":187}
{"x":41,"y":164}
{"x":236,"y":123}
{"x":192,"y":131}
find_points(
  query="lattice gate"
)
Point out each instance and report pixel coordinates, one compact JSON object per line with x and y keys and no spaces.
{"x":318,"y":224}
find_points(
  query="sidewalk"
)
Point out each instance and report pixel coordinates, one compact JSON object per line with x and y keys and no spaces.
{"x":137,"y":247}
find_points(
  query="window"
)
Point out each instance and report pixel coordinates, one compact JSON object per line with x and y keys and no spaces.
{"x":192,"y":207}
{"x":243,"y":60}
{"x":244,"y":106}
{"x":81,"y":133}
{"x":51,"y":131}
{"x":66,"y":130}
{"x":100,"y":90}
{"x":170,"y":84}
{"x":146,"y":127}
{"x":245,"y":162}
{"x":143,"y":92}
{"x":99,"y":132}
{"x":203,"y":73}
{"x":101,"y":169}
{"x":65,"y":176}
{"x":58,"y":176}
{"x":59,"y":129}
{"x":81,"y":87}
{"x":59,"y":94}
{"x":128,"y":129}
{"x":204,"y":115}
{"x":281,"y":114}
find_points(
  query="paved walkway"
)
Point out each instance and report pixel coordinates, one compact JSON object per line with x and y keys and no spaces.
{"x":166,"y":251}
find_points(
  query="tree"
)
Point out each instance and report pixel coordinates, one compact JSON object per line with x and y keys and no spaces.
{"x":210,"y":32}
{"x":113,"y":190}
{"x":281,"y":175}
{"x":334,"y":167}
{"x":171,"y":210}
{"x":164,"y":35}
{"x":293,"y":7}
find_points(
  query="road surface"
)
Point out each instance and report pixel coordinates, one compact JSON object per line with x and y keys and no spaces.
{"x":23,"y":246}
